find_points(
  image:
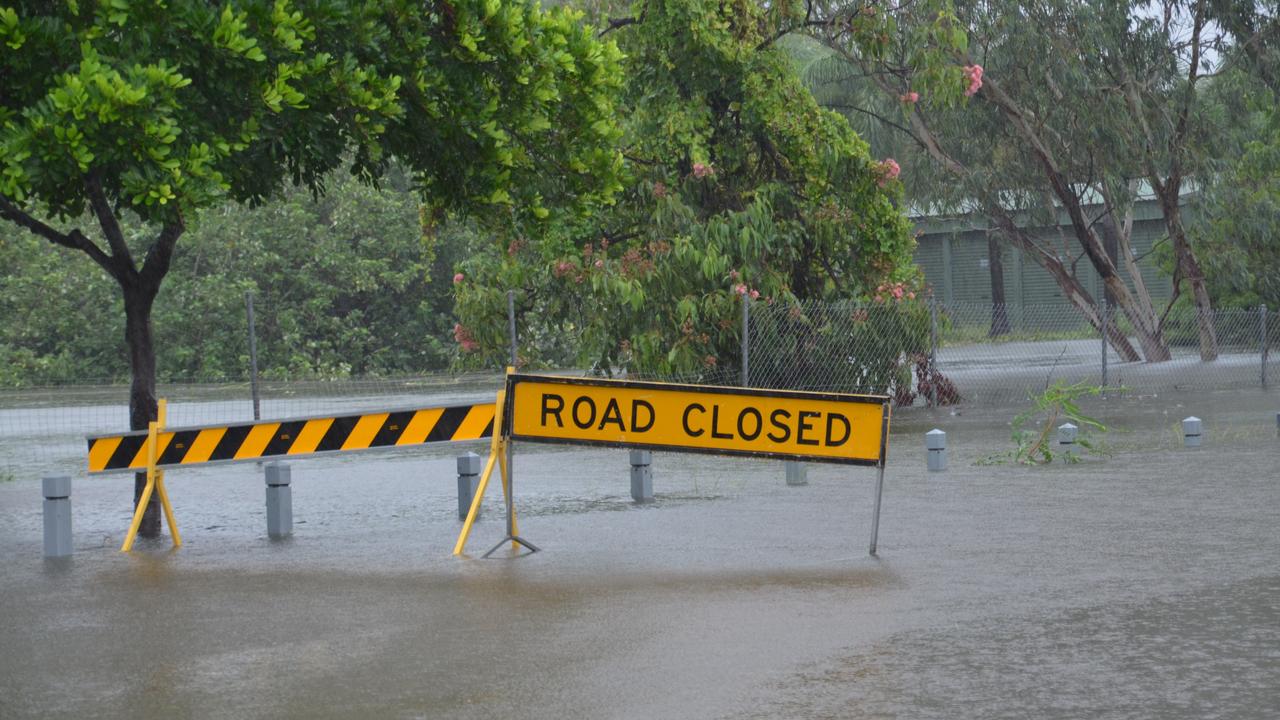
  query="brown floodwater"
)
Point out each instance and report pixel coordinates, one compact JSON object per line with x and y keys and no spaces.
{"x":1145,"y":584}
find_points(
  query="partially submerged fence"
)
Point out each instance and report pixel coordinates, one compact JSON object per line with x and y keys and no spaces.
{"x":919,"y":353}
{"x":983,"y":354}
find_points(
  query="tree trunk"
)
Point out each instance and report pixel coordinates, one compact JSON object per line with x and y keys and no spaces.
{"x":1189,"y":270}
{"x":1069,"y":284}
{"x":1145,"y":324}
{"x":142,"y":391}
{"x":1147,"y":328}
{"x":999,"y":311}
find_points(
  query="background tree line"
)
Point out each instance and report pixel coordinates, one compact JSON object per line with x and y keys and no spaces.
{"x":345,"y":284}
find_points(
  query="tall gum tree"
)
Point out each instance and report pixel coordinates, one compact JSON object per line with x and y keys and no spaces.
{"x":120,"y":121}
{"x":1112,"y":103}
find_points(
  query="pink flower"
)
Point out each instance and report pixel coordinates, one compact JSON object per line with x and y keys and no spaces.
{"x":740,"y":289}
{"x":709,"y":360}
{"x":889,"y":170}
{"x":733,"y":274}
{"x":911,"y":296}
{"x":599,"y":263}
{"x":897,"y":292}
{"x":457,"y":278}
{"x":973,"y":73}
{"x":910,"y":97}
{"x":463,"y":336}
{"x":659,"y":189}
{"x":701,"y":170}
{"x":755,"y":294}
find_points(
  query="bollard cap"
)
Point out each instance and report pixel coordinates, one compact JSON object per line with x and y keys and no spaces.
{"x":935,"y":439}
{"x":1191,"y":425}
{"x":1067,"y":433}
{"x":278,"y":474}
{"x":641,"y":457}
{"x":57,"y":487}
{"x":469,"y":464}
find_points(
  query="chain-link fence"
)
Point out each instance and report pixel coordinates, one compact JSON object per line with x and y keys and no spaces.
{"x":978,"y":353}
{"x":920,"y":354}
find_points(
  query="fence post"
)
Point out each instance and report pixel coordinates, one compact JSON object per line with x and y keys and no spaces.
{"x":511,"y":323}
{"x":746,"y":341}
{"x":253,"y":357}
{"x":933,"y":348}
{"x":1262,"y":322}
{"x":1103,"y":322}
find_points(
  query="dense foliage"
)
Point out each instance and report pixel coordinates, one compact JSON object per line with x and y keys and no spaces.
{"x":346,"y":284}
{"x":738,"y":187}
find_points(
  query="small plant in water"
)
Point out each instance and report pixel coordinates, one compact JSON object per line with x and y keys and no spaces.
{"x":1037,"y":439}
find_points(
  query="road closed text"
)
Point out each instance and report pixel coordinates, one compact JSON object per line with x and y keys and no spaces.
{"x":834,"y":427}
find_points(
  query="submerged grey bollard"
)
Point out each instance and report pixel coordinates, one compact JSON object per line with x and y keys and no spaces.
{"x":279,"y":500}
{"x":797,"y":473}
{"x":641,"y":476}
{"x":57,"y":516}
{"x":468,"y":483}
{"x":1067,"y":433}
{"x":935,"y":443}
{"x":1191,"y":432}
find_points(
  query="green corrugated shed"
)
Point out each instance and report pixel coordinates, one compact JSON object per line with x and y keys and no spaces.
{"x":953,"y":255}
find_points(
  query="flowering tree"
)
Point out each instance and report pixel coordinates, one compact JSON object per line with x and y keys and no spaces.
{"x":739,"y":187}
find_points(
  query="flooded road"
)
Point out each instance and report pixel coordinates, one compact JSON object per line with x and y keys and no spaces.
{"x":1145,"y":584}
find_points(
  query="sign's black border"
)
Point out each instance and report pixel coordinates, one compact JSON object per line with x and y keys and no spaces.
{"x":515,"y":378}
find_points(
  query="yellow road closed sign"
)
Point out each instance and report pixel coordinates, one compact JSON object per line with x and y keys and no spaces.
{"x":819,"y":427}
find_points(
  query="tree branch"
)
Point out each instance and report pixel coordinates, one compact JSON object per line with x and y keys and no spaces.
{"x":877,"y":116}
{"x":160,"y":254}
{"x":615,"y":23}
{"x":120,"y":255}
{"x":74,"y":240}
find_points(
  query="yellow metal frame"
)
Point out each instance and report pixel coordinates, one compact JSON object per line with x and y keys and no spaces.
{"x":155,"y":483}
{"x":497,"y":456}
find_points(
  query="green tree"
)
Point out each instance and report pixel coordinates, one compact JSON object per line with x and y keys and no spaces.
{"x":144,"y":112}
{"x":738,"y":186}
{"x":1239,"y":212}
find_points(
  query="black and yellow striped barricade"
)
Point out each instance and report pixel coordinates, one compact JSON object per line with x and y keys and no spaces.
{"x":748,"y":422}
{"x":160,"y":447}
